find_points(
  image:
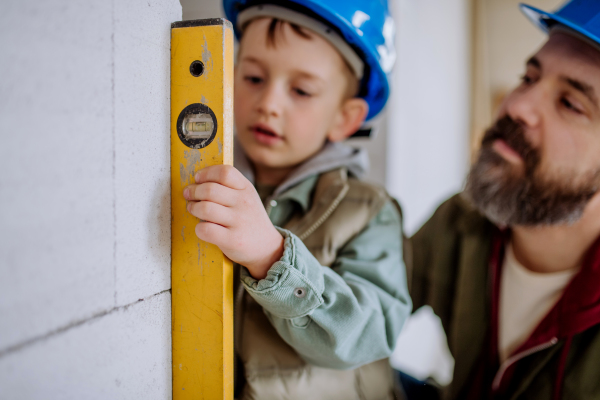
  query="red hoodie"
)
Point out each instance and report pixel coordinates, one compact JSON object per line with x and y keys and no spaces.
{"x":577,"y":310}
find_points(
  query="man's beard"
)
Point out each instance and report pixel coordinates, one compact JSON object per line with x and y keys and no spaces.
{"x":509,"y":197}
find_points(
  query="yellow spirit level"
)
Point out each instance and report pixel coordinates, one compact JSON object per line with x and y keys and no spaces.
{"x":201,"y":276}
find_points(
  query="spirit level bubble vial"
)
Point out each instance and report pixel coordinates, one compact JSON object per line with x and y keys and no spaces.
{"x":201,"y":276}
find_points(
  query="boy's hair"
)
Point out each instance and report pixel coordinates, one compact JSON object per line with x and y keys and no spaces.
{"x":277,"y":25}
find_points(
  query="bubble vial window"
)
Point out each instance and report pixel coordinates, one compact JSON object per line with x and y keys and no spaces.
{"x":198,"y":126}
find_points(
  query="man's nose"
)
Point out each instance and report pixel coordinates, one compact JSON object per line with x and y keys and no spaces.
{"x":270,"y":101}
{"x":525,"y":106}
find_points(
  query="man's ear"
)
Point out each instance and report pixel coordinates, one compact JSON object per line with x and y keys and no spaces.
{"x":350,"y":118}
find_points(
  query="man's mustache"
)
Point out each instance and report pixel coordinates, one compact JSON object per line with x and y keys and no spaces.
{"x":513,"y":133}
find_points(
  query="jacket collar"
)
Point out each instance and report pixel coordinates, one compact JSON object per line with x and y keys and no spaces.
{"x":469,"y":220}
{"x":301,"y":193}
{"x":299,"y":184}
{"x":328,"y":192}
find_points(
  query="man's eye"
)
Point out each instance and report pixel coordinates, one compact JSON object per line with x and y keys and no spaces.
{"x":526,"y":79}
{"x":570,"y":105}
{"x":253,"y":79}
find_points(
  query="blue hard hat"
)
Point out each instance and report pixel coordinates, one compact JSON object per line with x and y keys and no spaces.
{"x":365,"y":25}
{"x":582,"y":16}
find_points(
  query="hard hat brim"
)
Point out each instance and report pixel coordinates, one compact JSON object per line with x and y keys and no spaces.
{"x":542,"y":18}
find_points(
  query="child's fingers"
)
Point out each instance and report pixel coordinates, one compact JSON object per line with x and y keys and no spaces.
{"x":211,"y":233}
{"x":211,"y":212}
{"x":224,"y":174}
{"x":211,"y":191}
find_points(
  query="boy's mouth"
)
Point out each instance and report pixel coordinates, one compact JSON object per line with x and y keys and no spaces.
{"x":265,"y":134}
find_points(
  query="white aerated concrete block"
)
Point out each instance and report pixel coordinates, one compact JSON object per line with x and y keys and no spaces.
{"x":142,"y":101}
{"x":123,"y":355}
{"x":56,"y":157}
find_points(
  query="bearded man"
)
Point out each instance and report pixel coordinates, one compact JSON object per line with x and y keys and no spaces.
{"x":512,"y":264}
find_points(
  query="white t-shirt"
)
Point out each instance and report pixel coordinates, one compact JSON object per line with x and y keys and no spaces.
{"x":525,"y":299}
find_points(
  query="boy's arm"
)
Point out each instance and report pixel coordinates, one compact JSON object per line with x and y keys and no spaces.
{"x":345,"y":316}
{"x":339,"y":317}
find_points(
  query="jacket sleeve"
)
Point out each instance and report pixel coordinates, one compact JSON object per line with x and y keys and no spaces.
{"x":345,"y":316}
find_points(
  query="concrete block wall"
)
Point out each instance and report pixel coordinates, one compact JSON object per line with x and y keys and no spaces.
{"x":84,"y":199}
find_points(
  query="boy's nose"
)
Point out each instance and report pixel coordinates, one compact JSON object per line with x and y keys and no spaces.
{"x":270,"y":102}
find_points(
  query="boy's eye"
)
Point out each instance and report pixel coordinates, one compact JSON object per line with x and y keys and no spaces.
{"x":301,"y":92}
{"x":253,"y":79}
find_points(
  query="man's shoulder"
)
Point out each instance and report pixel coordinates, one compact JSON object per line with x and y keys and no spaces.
{"x":454,"y":207}
{"x":454,"y":216}
{"x":454,"y":242}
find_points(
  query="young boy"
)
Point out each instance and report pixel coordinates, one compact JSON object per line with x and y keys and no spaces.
{"x":323,"y":298}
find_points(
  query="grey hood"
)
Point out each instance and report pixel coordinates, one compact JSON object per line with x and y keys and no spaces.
{"x":331,"y":156}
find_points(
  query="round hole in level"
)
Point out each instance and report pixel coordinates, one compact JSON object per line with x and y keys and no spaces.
{"x":197,"y":126}
{"x":197,"y":68}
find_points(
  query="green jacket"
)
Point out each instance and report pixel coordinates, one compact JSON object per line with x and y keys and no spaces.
{"x":338,"y":297}
{"x":456,"y":261}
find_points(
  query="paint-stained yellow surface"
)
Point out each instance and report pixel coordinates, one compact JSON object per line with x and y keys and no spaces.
{"x":202,"y":277}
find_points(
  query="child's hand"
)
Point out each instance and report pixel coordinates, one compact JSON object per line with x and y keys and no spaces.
{"x":233,"y":218}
